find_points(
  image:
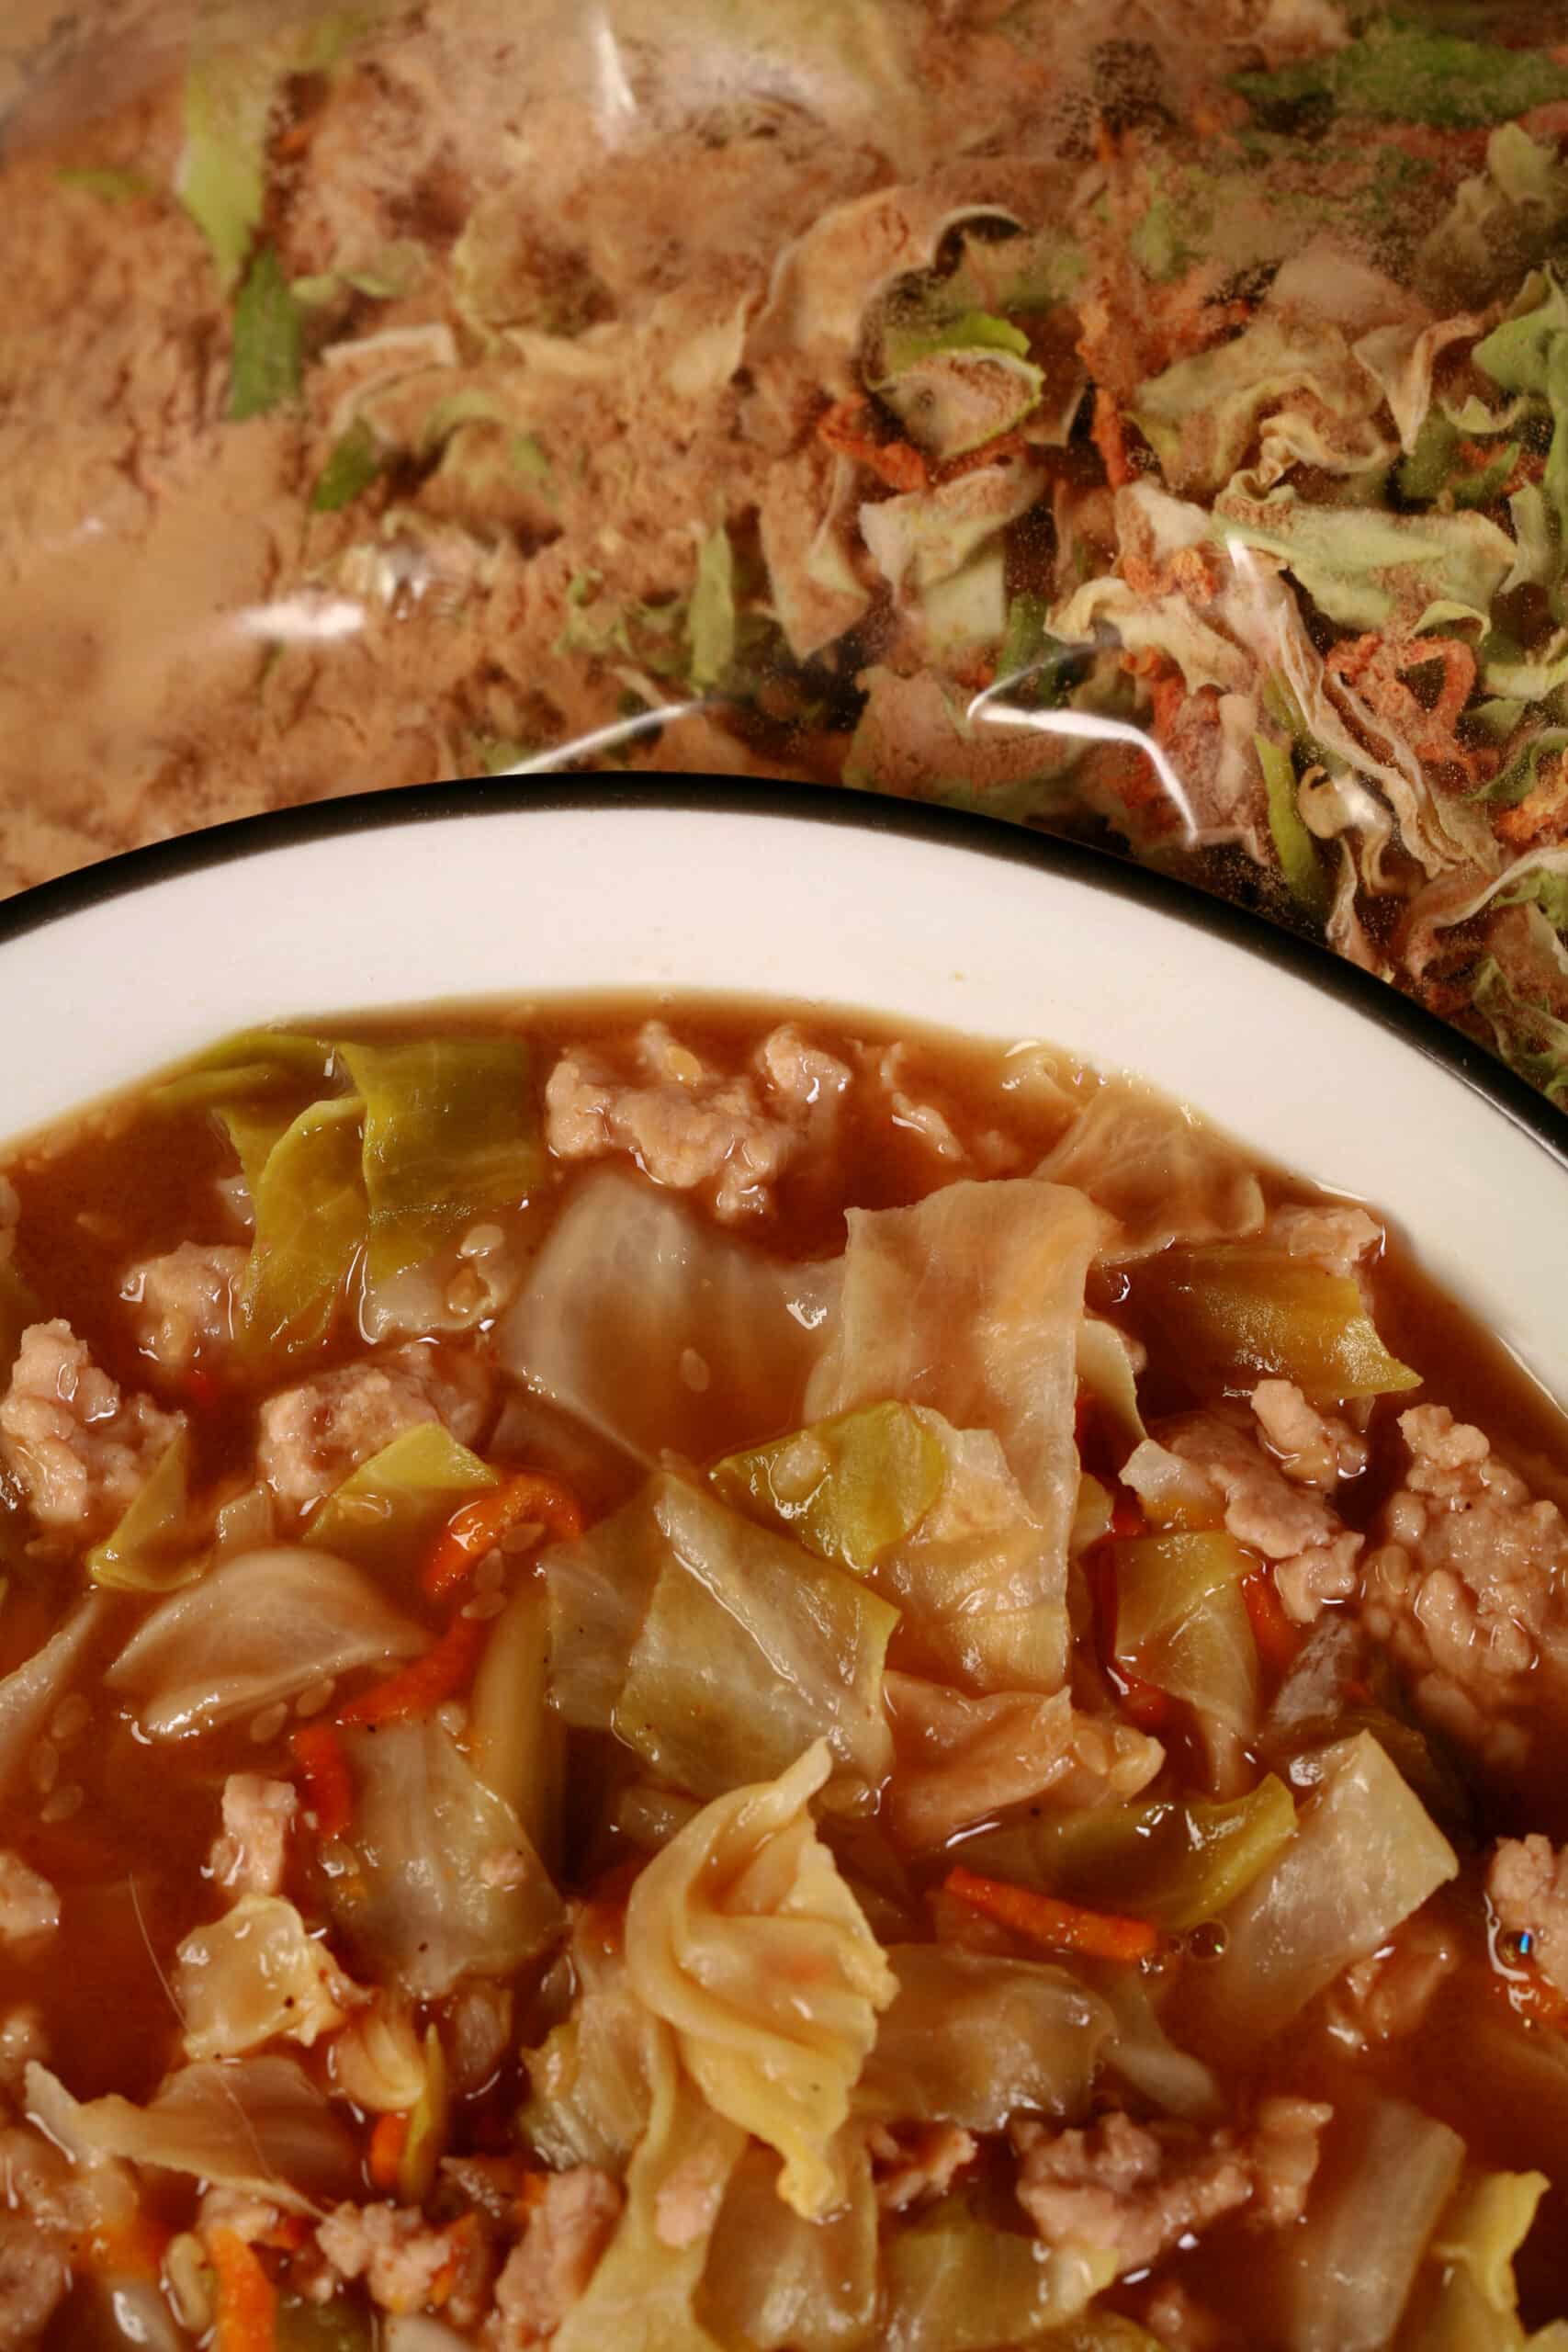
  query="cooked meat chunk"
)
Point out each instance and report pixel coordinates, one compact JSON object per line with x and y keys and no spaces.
{"x":687,"y":1125}
{"x":1385,"y":1997}
{"x":248,"y":1857}
{"x":916,"y":1117}
{"x":800,"y":1073}
{"x":1335,"y":1236}
{"x":392,"y":2247}
{"x":1135,"y":2190}
{"x":1262,"y":1506}
{"x":47,"y":2206}
{"x":250,"y":2217}
{"x":1290,"y":1523}
{"x":1323,"y":1573}
{"x":1315,"y":1449}
{"x":568,"y":2230}
{"x":923,"y":2163}
{"x":29,"y":1908}
{"x":79,"y":1447}
{"x":1448,"y":1458}
{"x":23,"y":2043}
{"x":1125,"y":2188}
{"x":1527,"y":1883}
{"x":313,"y":1436}
{"x":33,"y":2279}
{"x":1468,"y":1590}
{"x":185,"y":1301}
{"x":1284,"y":2153}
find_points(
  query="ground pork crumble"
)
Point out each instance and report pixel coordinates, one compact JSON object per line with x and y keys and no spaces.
{"x":1269,"y":1505}
{"x":1134,"y":2189}
{"x":1528,"y":1884}
{"x":183,"y":1303}
{"x":691,"y":1128}
{"x":1467,"y":1591}
{"x":79,"y":1445}
{"x":248,"y":1856}
{"x":314,"y":1435}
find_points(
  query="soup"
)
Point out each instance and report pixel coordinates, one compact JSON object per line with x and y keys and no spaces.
{"x":710,"y":1679}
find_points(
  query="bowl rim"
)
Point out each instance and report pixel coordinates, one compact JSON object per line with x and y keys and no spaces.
{"x":1099,"y":870}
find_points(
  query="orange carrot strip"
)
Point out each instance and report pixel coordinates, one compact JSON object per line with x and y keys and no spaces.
{"x":846,"y":429}
{"x":1057,"y":1927}
{"x":531,"y":2195}
{"x":479,"y":1526}
{"x":247,"y":2300}
{"x":1109,"y":438}
{"x":388,"y":2142}
{"x":1276,"y":1638}
{"x":421,"y":1688}
{"x":329,"y":1789}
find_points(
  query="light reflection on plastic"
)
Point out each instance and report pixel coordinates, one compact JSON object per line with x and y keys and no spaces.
{"x":606,"y":739}
{"x":302,"y":620}
{"x":1084,"y":725}
{"x":617,"y":103}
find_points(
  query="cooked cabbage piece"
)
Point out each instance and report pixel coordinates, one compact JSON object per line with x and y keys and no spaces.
{"x":743,"y":1936}
{"x":441,"y":1882}
{"x":450,"y":1134}
{"x":1239,"y":1311}
{"x":1364,"y":1857}
{"x":386,"y":1513}
{"x":261,"y":1627}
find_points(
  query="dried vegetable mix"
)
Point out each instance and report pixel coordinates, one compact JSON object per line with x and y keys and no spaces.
{"x":1157,"y":439}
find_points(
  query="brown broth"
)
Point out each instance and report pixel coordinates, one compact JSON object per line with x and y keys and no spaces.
{"x":131,"y":1860}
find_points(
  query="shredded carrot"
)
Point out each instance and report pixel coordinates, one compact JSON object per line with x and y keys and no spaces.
{"x":1276,"y":1638}
{"x":1109,"y":438}
{"x":847,"y":430}
{"x":479,"y":1526}
{"x":388,"y":2142}
{"x":1001,"y":445}
{"x":531,"y":2196}
{"x":1055,"y":1926}
{"x":329,"y":1789}
{"x":247,"y":2300}
{"x":420,"y":1688}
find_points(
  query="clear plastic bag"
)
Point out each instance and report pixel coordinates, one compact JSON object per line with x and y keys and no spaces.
{"x":1151,"y":426}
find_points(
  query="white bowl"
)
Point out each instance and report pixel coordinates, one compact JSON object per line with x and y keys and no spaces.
{"x":825,"y":898}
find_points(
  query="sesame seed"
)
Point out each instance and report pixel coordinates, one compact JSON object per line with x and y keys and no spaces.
{"x":70,"y":1718}
{"x":485,"y":1604}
